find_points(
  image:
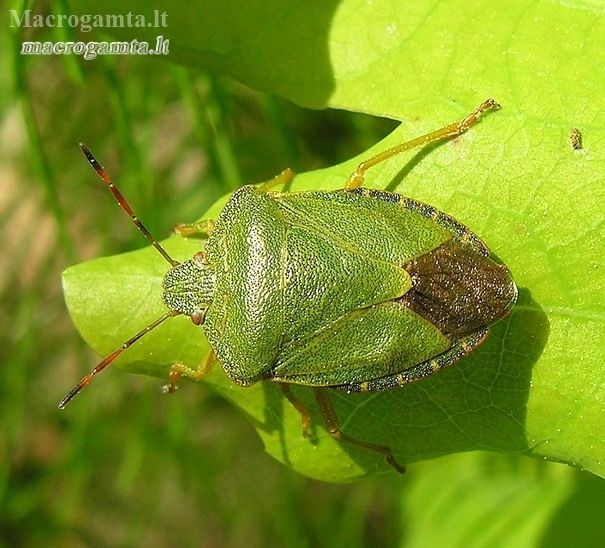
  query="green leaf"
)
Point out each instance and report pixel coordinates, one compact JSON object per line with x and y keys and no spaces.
{"x":536,"y":386}
{"x":490,"y":500}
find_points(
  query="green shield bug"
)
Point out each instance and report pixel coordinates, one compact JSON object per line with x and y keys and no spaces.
{"x":356,"y":289}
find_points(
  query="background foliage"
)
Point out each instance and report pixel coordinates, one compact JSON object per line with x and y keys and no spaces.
{"x":189,"y":468}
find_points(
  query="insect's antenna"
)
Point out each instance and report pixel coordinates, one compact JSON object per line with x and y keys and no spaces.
{"x":123,"y":203}
{"x":107,"y":361}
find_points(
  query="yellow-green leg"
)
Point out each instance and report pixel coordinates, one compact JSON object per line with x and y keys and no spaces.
{"x":201,"y":228}
{"x":178,"y":370}
{"x":282,"y":178}
{"x":331,"y":420}
{"x":206,"y":226}
{"x":357,"y":178}
{"x":305,"y":416}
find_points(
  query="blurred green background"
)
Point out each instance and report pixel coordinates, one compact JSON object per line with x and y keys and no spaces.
{"x":138,"y":468}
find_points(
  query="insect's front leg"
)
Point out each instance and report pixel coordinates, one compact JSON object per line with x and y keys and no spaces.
{"x":178,"y":370}
{"x":201,"y":228}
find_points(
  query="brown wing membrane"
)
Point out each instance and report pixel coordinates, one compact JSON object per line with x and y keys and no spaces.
{"x":458,"y":290}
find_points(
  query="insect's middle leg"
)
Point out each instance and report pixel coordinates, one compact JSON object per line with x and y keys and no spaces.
{"x":331,"y":420}
{"x":357,"y":178}
{"x":178,"y":370}
{"x":206,"y":226}
{"x":282,"y":178}
{"x":305,"y":416}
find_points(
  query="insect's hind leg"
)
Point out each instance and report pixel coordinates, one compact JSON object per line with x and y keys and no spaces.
{"x":357,"y":178}
{"x":331,"y":420}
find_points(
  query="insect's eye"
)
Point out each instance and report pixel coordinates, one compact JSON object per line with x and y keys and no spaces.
{"x":197,"y":317}
{"x":200,"y":257}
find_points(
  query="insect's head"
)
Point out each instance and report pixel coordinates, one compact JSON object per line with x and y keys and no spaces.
{"x":189,"y":287}
{"x":175,"y":291}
